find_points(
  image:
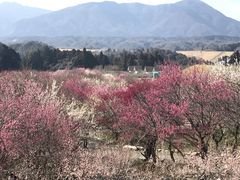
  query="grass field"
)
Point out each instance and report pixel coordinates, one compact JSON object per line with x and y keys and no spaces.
{"x":207,"y":55}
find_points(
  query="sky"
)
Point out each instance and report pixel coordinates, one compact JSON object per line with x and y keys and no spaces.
{"x":230,"y":8}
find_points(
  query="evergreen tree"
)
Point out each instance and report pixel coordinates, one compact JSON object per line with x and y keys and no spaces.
{"x":9,"y":59}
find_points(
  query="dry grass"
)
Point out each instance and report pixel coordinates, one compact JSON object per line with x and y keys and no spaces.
{"x":117,"y":163}
{"x":207,"y":55}
{"x":198,"y":68}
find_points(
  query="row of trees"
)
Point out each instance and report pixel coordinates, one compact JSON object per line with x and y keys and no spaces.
{"x":147,"y":57}
{"x":38,"y":56}
{"x":180,"y":109}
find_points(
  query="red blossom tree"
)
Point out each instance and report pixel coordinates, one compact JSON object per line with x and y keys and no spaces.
{"x":147,"y":109}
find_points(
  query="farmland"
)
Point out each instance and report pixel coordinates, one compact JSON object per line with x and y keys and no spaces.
{"x":212,"y":56}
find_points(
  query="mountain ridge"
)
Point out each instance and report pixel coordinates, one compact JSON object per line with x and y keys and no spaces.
{"x":110,"y":19}
{"x":11,"y":12}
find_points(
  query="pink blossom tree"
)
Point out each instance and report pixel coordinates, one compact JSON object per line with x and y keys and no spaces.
{"x":33,"y":129}
{"x":206,"y":96}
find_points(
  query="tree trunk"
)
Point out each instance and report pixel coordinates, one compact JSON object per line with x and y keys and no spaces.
{"x":236,"y":133}
{"x":171,"y":151}
{"x":203,"y":148}
{"x":218,"y":137}
{"x":151,"y":148}
{"x":116,"y":135}
{"x":85,"y":143}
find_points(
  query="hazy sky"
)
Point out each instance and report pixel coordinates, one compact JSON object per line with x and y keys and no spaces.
{"x":230,"y":8}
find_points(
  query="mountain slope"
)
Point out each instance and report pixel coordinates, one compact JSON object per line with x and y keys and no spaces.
{"x":185,"y":18}
{"x":10,"y":13}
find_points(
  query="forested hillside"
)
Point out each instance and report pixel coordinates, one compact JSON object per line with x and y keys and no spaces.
{"x":39,"y":56}
{"x":214,"y":43}
{"x":9,"y":59}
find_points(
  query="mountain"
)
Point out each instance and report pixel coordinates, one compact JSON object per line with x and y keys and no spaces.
{"x":108,"y":19}
{"x":10,"y":13}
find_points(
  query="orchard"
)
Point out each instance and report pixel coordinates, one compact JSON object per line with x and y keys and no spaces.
{"x":73,"y":124}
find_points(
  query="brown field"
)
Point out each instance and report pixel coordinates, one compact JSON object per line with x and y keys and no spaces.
{"x":207,"y":55}
{"x":198,"y":68}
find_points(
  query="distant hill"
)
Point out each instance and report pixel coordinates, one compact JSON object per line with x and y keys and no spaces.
{"x":109,"y":19}
{"x":213,"y":43}
{"x":10,"y":13}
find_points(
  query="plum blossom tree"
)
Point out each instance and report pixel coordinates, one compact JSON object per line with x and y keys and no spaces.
{"x":33,"y":130}
{"x":81,"y":92}
{"x":231,"y":74}
{"x":232,"y":118}
{"x":107,"y":112}
{"x":147,"y":109}
{"x":206,"y":96}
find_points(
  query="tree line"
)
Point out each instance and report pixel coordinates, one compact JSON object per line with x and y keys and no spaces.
{"x":39,"y":56}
